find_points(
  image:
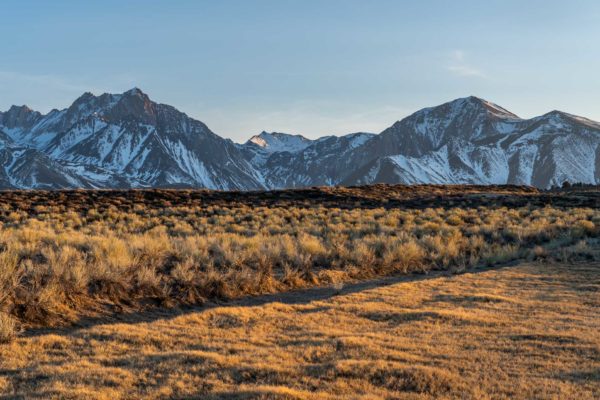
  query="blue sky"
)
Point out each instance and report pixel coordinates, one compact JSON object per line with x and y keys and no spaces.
{"x":313,"y":67}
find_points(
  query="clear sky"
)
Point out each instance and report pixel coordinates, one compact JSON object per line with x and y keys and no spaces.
{"x":313,"y":67}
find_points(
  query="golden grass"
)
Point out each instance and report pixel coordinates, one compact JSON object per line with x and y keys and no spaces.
{"x":8,"y":328}
{"x":61,"y":261}
{"x":82,"y":258}
{"x":520,"y":332}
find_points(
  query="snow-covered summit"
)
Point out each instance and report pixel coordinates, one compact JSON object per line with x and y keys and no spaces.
{"x":277,"y":142}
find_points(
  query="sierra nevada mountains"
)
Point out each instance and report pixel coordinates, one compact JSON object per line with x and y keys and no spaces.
{"x":128,"y":141}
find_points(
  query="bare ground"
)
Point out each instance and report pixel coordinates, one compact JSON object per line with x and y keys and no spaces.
{"x":526,"y":331}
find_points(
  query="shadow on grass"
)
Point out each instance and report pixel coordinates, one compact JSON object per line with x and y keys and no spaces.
{"x":292,"y":297}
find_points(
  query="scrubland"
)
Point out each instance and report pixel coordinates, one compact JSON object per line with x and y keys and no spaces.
{"x":528,"y":331}
{"x":68,"y":255}
{"x":491,"y":292}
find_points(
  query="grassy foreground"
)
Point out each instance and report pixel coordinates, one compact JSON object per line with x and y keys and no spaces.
{"x":74,"y":254}
{"x":520,"y":332}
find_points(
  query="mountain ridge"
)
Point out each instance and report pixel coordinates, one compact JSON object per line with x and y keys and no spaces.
{"x":127,"y":141}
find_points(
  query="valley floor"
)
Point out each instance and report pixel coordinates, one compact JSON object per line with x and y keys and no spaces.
{"x":525,"y":331}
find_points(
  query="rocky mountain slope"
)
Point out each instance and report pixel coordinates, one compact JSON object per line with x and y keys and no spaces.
{"x":473,"y":141}
{"x":126,"y":140}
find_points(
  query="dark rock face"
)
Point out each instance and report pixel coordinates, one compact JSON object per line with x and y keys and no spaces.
{"x":19,"y":117}
{"x":128,"y":141}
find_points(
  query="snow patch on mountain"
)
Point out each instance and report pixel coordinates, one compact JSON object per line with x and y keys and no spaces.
{"x":358,"y":139}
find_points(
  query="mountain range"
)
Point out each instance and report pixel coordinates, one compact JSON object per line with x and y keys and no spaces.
{"x":128,"y":141}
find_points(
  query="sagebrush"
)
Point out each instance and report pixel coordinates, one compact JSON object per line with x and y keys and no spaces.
{"x":62,"y":260}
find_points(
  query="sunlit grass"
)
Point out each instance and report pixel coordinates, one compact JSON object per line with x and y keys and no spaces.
{"x":57,"y":263}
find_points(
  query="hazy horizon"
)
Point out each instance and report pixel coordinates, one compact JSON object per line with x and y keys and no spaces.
{"x":309,"y":68}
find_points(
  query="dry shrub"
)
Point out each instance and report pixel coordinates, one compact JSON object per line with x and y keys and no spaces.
{"x":583,"y":250}
{"x":539,"y":252}
{"x":584,"y":228}
{"x":224,"y":319}
{"x":404,"y":257}
{"x":363,"y":255}
{"x":291,"y":277}
{"x":421,"y":380}
{"x":8,"y":328}
{"x":312,"y":247}
{"x":398,"y":378}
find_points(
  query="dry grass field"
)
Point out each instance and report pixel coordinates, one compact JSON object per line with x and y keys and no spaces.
{"x":74,"y":260}
{"x":72,"y":254}
{"x":528,"y":331}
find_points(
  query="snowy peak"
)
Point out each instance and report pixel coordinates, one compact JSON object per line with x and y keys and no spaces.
{"x":131,"y":104}
{"x":133,"y":100}
{"x":471,"y":107}
{"x":559,"y":118}
{"x":323,"y":161}
{"x":493,"y":109}
{"x":134,"y":104}
{"x":468,"y":118}
{"x":279,"y":142}
{"x":135,"y":92}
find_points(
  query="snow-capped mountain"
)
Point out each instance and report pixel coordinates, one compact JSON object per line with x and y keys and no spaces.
{"x":127,"y":140}
{"x":473,"y":141}
{"x":322,"y":162}
{"x":277,"y":142}
{"x":260,"y":147}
